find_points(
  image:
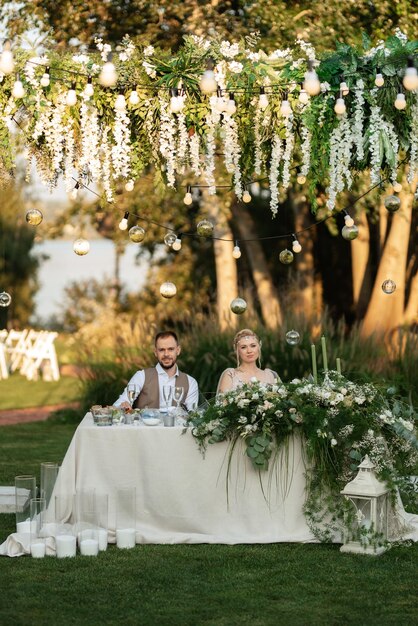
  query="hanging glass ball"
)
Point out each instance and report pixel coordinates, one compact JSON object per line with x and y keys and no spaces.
{"x":349,"y":232}
{"x":5,"y":299}
{"x":204,"y":228}
{"x":169,"y":239}
{"x":388,"y":286}
{"x":168,"y":290}
{"x":392,"y":204}
{"x":81,"y":247}
{"x":34,"y":217}
{"x":286,"y":257}
{"x":136,"y":234}
{"x":292,"y":337}
{"x":238,"y":306}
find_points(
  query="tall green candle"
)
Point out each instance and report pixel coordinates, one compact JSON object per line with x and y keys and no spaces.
{"x":338,"y":365}
{"x":314,"y":370}
{"x":324,"y":353}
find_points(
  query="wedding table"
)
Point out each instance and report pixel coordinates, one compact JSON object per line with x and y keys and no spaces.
{"x":181,"y":496}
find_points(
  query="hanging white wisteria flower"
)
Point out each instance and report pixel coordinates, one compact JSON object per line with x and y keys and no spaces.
{"x":288,"y":152}
{"x":339,"y":160}
{"x":306,"y":150}
{"x":167,"y":141}
{"x":258,"y":154}
{"x":276,"y":155}
{"x":106,"y":160}
{"x":183,"y":143}
{"x":413,"y":159}
{"x":121,"y":149}
{"x":375,"y":125}
{"x":89,"y":162}
{"x":209,"y":161}
{"x":69,"y":159}
{"x":232,"y":151}
{"x":358,"y":120}
{"x":194,"y":150}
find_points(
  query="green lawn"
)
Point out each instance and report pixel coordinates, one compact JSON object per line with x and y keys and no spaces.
{"x":18,"y":393}
{"x":258,"y":585}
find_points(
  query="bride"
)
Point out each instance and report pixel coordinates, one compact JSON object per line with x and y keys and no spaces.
{"x":247,"y":347}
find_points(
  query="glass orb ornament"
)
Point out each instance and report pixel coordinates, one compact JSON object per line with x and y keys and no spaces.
{"x":204,"y":228}
{"x":349,"y":232}
{"x":5,"y":299}
{"x":292,"y":337}
{"x":136,"y":234}
{"x":81,"y":246}
{"x":34,"y":217}
{"x":169,"y":239}
{"x":168,"y":290}
{"x":238,"y":306}
{"x":392,"y":204}
{"x":286,"y":257}
{"x":388,"y":286}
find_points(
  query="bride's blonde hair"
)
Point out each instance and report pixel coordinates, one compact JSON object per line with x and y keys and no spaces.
{"x":243,"y":334}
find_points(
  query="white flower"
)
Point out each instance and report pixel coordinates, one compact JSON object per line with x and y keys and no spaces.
{"x":150,"y":69}
{"x":148,"y":51}
{"x":334,"y":442}
{"x":235,"y":67}
{"x":229,"y":50}
{"x":406,"y":424}
{"x":280,"y":54}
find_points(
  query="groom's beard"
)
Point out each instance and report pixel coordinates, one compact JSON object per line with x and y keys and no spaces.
{"x":168,"y":363}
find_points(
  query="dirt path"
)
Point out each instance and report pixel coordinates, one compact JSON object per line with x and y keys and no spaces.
{"x":36,"y":414}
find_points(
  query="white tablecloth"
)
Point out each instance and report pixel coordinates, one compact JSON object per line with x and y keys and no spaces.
{"x":181,"y":497}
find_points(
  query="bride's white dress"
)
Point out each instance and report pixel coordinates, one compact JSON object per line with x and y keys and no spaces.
{"x":233,"y":373}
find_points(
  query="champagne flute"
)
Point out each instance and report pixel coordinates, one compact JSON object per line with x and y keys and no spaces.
{"x":167,"y":395}
{"x":178,"y":395}
{"x":132,"y":391}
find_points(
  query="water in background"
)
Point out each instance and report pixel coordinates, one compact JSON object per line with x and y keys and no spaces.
{"x":64,"y":266}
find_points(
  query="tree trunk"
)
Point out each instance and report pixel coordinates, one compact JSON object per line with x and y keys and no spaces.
{"x":360,"y":252}
{"x":225,"y":264}
{"x":411,"y":311}
{"x":308,"y":298}
{"x":386,"y":311}
{"x":266,"y":291}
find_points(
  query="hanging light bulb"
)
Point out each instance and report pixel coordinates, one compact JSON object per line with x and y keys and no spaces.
{"x":18,"y":91}
{"x":379,"y":81}
{"x":123,"y":224}
{"x":45,"y":79}
{"x":176,"y":101}
{"x":236,"y":252}
{"x":108,"y":76}
{"x":219,"y":102}
{"x":397,"y":187}
{"x":285,"y":108}
{"x":71,"y":98}
{"x":400,"y":102}
{"x":120,"y":103}
{"x":296,"y":247}
{"x":344,"y":88}
{"x":303,"y":96}
{"x":348,"y":219}
{"x":134,"y":98}
{"x":208,"y":82}
{"x":129,"y":185}
{"x":74,"y":192}
{"x":188,"y":199}
{"x":263,"y":101}
{"x":169,"y":239}
{"x":177,"y":243}
{"x":246,"y":196}
{"x":301,"y":178}
{"x":311,"y":83}
{"x":410,"y":80}
{"x":340,"y":107}
{"x":231,"y":107}
{"x":6,"y":59}
{"x":89,"y":89}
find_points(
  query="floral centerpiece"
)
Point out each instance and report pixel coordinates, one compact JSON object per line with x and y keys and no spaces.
{"x":339,"y":421}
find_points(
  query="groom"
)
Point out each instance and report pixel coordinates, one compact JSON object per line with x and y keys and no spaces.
{"x":150,"y":381}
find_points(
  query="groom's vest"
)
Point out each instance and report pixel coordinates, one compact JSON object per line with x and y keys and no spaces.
{"x":150,"y":394}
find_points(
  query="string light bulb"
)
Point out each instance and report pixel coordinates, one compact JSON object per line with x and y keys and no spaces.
{"x":301,"y":178}
{"x":120,"y":103}
{"x":123,"y":224}
{"x":129,"y":185}
{"x":176,"y":101}
{"x":311,"y":83}
{"x":296,"y":247}
{"x":231,"y":107}
{"x":410,"y":79}
{"x":397,"y":187}
{"x":236,"y":252}
{"x":263,"y":101}
{"x":45,"y":78}
{"x":285,"y":108}
{"x":188,"y":199}
{"x":246,"y":196}
{"x":108,"y":76}
{"x":379,"y":81}
{"x":71,"y":98}
{"x":18,"y":91}
{"x":134,"y":97}
{"x":400,"y":102}
{"x":348,"y":219}
{"x":74,"y":192}
{"x":7,"y":63}
{"x":344,"y":88}
{"x":89,"y":89}
{"x":303,"y":96}
{"x":208,"y":82}
{"x":177,"y":244}
{"x":340,"y":107}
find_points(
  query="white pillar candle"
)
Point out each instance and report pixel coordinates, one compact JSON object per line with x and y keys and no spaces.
{"x":125,"y":537}
{"x":66,"y":546}
{"x":89,"y":547}
{"x":102,"y":539}
{"x":37,"y":549}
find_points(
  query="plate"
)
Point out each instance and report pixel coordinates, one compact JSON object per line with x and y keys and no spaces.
{"x":151,"y":421}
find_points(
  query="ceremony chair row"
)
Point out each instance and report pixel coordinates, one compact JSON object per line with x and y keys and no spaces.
{"x":31,"y":352}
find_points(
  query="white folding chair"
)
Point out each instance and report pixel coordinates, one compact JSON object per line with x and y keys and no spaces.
{"x":4,"y":371}
{"x":42,"y":356}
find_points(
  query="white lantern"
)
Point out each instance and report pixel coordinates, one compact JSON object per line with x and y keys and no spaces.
{"x":367,"y":526}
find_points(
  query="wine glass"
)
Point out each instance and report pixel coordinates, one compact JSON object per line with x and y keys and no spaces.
{"x":167,"y":395}
{"x":132,"y":391}
{"x":178,"y":396}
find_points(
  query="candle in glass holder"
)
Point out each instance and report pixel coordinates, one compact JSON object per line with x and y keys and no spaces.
{"x":89,"y":547}
{"x":102,"y":539}
{"x":37,"y":549}
{"x":66,"y":546}
{"x":125,"y":537}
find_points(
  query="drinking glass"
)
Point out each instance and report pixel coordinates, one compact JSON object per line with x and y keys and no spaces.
{"x":167,"y":395}
{"x":178,"y":396}
{"x":132,"y":392}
